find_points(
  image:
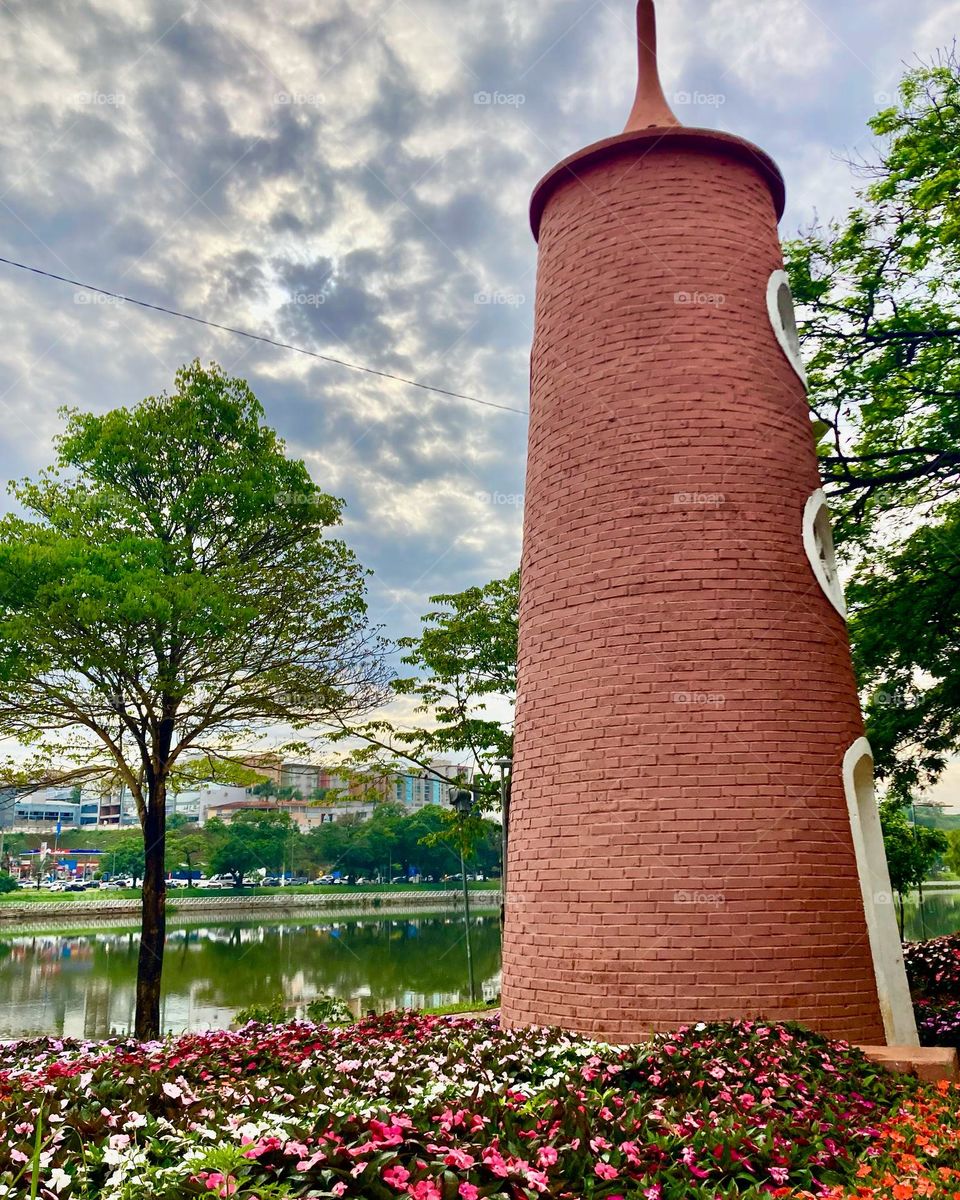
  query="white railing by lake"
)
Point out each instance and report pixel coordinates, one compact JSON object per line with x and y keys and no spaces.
{"x":413,"y":900}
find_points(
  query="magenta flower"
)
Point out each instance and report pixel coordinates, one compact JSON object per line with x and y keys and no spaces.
{"x":426,"y":1189}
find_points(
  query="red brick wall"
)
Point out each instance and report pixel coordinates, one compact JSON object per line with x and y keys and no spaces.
{"x":680,"y":846}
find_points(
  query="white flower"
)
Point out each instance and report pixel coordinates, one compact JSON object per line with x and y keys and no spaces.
{"x":58,"y":1180}
{"x":171,"y":1090}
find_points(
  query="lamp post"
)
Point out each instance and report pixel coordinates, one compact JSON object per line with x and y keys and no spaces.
{"x":463,"y":806}
{"x":914,"y":805}
{"x":505,"y":764}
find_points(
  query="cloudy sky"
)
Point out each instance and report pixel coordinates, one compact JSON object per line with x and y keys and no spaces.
{"x":325,"y":172}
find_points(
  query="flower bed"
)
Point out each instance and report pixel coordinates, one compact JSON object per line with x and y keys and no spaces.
{"x":440,"y":1109}
{"x":933,"y":971}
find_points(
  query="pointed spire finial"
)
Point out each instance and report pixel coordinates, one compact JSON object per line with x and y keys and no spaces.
{"x":650,"y":108}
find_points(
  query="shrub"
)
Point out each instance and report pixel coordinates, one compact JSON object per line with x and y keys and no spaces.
{"x":329,"y":1010}
{"x":268,"y":1012}
{"x":7,"y":883}
{"x":933,"y":968}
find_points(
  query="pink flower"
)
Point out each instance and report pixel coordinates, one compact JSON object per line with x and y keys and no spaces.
{"x":493,"y":1160}
{"x":396,"y":1177}
{"x":339,"y":1188}
{"x":424,"y":1190}
{"x":386,"y":1135}
{"x":459,"y":1158}
{"x":223,"y":1185}
{"x":547,"y":1156}
{"x":469,"y":1192}
{"x":605,"y":1171}
{"x":689,"y":1157}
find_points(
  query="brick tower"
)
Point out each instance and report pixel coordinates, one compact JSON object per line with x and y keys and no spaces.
{"x":693,"y":830}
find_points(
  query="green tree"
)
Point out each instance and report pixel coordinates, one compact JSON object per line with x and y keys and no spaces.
{"x":253,"y":841}
{"x":127,"y":857}
{"x":382,"y":839}
{"x":878,"y":296}
{"x":905,"y":628}
{"x":952,"y":854}
{"x":167,"y":586}
{"x":912,"y":850}
{"x":186,"y":848}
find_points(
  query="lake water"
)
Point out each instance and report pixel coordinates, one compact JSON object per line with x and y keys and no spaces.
{"x":940,"y":915}
{"x":82,"y":985}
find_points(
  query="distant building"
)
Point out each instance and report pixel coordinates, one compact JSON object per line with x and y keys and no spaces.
{"x":416,"y":791}
{"x":46,"y":808}
{"x":304,"y":814}
{"x":193,"y":803}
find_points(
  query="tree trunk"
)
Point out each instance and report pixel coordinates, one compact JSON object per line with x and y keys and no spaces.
{"x":153,"y":915}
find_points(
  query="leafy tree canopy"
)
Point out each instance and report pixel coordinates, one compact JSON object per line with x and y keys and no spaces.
{"x":879,"y":312}
{"x":252,"y":841}
{"x":879,"y":294}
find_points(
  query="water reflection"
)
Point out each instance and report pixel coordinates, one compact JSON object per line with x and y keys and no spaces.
{"x":83,"y":985}
{"x":940,"y":915}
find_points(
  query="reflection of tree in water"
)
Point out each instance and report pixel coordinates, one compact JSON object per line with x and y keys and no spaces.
{"x":386,"y":960}
{"x":84,"y":985}
{"x":941,"y":915}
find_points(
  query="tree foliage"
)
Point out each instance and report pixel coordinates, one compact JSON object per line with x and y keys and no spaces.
{"x":905,"y":628}
{"x":396,"y":842}
{"x":253,"y":841}
{"x":879,"y":295}
{"x":879,"y":313}
{"x":127,"y":857}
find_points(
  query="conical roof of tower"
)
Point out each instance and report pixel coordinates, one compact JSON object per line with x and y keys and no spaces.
{"x":652,"y":124}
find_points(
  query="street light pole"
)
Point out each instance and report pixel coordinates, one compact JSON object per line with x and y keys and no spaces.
{"x":505,"y":765}
{"x":913,"y":820}
{"x":463,"y":804}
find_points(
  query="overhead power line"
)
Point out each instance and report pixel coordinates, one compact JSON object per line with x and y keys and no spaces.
{"x":259,"y":337}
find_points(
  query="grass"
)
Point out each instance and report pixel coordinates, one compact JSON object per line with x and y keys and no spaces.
{"x":466,"y":1006}
{"x":32,"y":896}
